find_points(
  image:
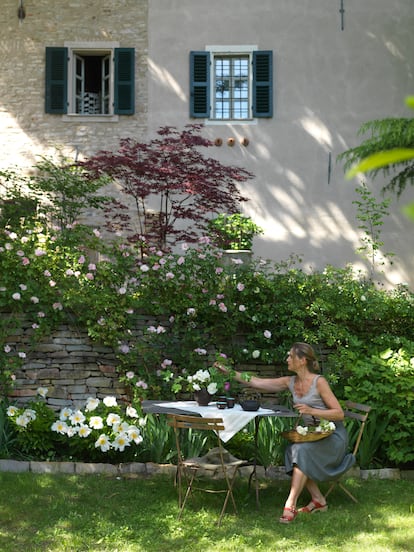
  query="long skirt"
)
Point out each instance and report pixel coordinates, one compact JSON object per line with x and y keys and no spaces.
{"x":323,"y":460}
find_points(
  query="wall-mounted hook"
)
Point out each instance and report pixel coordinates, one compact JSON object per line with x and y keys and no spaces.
{"x":342,"y":12}
{"x":21,"y":12}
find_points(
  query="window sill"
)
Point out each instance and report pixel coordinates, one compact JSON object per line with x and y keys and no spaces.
{"x":72,"y":117}
{"x":232,"y":122}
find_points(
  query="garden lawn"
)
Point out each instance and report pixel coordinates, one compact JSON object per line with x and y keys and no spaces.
{"x":45,"y":513}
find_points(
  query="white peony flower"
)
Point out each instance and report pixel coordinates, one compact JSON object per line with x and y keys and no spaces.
{"x":110,"y":401}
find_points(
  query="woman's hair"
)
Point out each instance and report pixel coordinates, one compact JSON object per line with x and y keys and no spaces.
{"x":303,"y":350}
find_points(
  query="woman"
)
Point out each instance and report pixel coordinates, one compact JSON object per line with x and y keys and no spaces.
{"x":309,"y":462}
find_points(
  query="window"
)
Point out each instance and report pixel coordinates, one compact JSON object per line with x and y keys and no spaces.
{"x":90,"y":81}
{"x":232,"y":85}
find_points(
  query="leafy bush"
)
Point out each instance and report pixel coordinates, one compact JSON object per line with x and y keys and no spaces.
{"x":34,"y":438}
{"x":384,"y":380}
{"x":234,"y":231}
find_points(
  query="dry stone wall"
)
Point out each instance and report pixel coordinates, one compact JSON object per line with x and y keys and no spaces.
{"x":70,"y":365}
{"x":73,"y":367}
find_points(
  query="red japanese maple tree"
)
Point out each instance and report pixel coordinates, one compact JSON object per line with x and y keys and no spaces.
{"x":167,"y":189}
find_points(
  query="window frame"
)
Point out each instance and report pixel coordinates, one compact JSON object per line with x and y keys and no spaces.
{"x":61,"y":80}
{"x":202,"y":82}
{"x":217,"y":50}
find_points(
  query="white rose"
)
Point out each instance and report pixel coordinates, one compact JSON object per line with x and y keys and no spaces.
{"x":302,"y":430}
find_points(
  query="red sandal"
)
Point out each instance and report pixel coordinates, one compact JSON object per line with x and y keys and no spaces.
{"x":313,"y":507}
{"x":289,"y":515}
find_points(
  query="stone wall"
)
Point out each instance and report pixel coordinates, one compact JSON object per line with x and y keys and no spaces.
{"x":73,"y":367}
{"x":26,"y":129}
{"x":69,"y":364}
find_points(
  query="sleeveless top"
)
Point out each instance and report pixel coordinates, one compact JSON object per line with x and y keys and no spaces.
{"x":311,"y":398}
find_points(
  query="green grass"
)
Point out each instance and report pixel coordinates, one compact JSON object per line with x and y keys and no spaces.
{"x":42,"y":513}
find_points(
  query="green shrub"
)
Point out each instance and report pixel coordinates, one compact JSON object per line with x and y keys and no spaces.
{"x":384,"y":379}
{"x":251,"y":312}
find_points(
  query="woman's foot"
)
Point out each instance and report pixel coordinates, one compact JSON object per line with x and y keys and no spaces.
{"x":288,"y":515}
{"x":313,"y":506}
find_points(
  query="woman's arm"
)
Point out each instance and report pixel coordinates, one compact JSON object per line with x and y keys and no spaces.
{"x":333,"y":410}
{"x":268,"y":385}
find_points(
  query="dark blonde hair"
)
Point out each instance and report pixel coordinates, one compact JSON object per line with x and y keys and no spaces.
{"x":303,"y":350}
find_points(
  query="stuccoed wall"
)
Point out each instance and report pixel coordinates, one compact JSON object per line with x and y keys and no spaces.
{"x":327,"y":82}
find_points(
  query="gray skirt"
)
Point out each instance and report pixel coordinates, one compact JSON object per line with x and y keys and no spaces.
{"x":323,"y":460}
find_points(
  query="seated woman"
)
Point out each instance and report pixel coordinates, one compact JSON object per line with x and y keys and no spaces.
{"x":309,"y":462}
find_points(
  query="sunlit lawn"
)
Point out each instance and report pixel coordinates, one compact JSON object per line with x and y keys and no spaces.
{"x":96,"y":513}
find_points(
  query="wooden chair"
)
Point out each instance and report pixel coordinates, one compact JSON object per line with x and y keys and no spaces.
{"x":359,"y":412}
{"x":218,"y":463}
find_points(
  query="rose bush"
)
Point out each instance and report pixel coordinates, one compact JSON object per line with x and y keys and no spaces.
{"x":195,"y":302}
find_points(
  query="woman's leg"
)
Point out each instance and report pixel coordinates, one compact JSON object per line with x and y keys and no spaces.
{"x":315,"y":492}
{"x":318,"y":501}
{"x":297,"y":485}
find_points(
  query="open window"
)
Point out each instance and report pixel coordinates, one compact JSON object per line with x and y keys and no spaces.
{"x":90,"y":81}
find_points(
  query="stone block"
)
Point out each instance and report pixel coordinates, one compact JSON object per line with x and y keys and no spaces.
{"x":97,"y":382}
{"x":107,"y":369}
{"x":81,"y":347}
{"x":77,"y":389}
{"x":86,"y":468}
{"x":383,"y":473}
{"x":14,"y":466}
{"x":165,"y":469}
{"x":48,"y":348}
{"x":52,"y":467}
{"x":353,"y":473}
{"x":133,"y":467}
{"x":277,"y":472}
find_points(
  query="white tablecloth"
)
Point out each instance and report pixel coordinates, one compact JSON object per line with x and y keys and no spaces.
{"x":234,"y":419}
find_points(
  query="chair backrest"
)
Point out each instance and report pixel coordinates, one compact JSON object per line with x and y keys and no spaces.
{"x":357,"y":411}
{"x":195,"y":422}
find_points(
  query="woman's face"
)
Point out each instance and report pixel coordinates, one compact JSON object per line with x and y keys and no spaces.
{"x":293,"y":361}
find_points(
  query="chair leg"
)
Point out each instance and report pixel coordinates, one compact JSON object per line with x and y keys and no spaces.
{"x":351,"y":496}
{"x":331,"y":488}
{"x":345,"y":490}
{"x":187,"y":493}
{"x":229,"y":494}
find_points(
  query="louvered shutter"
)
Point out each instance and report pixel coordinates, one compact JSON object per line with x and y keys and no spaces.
{"x":124,"y":100}
{"x":199,"y":84}
{"x":263,"y":83}
{"x":56,"y":89}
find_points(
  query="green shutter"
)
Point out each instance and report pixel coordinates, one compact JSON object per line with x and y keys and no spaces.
{"x":56,"y":80}
{"x":124,"y":81}
{"x":263,"y":83}
{"x":199,"y":84}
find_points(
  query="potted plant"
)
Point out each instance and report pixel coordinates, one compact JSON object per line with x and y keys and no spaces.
{"x":205,"y":382}
{"x":233,"y":232}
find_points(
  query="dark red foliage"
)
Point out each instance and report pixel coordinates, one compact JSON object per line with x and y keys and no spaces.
{"x":173,"y":190}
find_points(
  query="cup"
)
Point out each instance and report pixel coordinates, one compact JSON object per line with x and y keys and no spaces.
{"x":230,"y":402}
{"x":221,"y":405}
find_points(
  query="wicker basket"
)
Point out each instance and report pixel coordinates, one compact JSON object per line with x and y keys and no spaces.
{"x":296,"y":437}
